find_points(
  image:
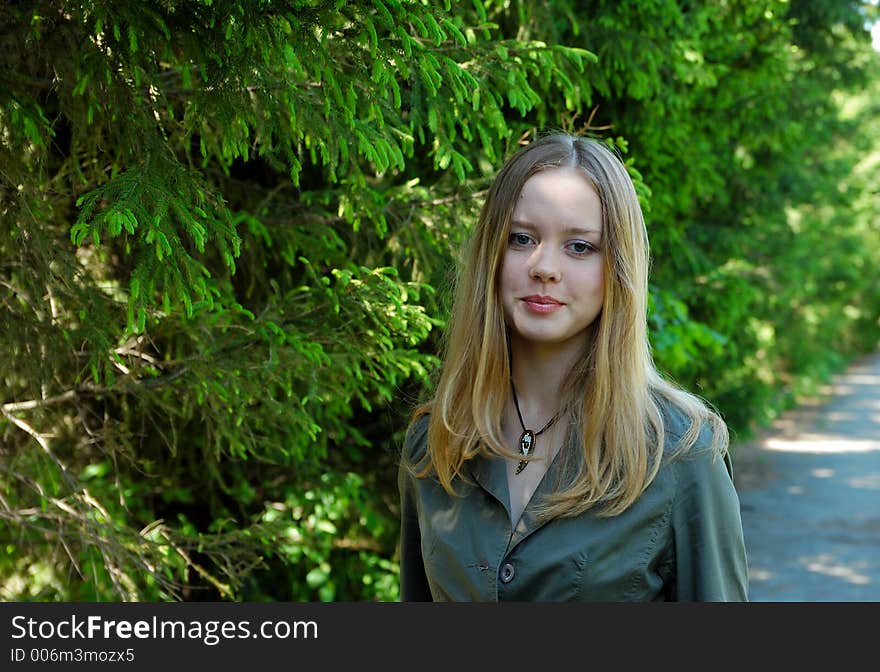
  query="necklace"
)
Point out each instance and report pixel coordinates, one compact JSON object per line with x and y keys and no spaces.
{"x":528,"y":437}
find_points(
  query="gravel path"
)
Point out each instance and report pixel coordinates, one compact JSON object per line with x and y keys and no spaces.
{"x":810,"y":494}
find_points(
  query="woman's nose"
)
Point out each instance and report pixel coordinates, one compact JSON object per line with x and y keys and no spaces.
{"x":545,"y":266}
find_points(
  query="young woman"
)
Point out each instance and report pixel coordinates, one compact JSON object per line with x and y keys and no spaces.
{"x":554,"y":463}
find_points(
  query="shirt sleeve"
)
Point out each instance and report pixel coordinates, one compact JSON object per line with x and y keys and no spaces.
{"x":413,"y":581}
{"x":710,"y":555}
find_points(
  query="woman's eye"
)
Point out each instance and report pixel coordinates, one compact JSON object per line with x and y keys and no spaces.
{"x":581,"y":247}
{"x":519,"y":239}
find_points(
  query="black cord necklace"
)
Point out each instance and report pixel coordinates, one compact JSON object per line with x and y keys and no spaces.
{"x":528,"y":437}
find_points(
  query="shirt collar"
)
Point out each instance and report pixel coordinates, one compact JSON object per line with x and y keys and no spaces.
{"x":490,"y":473}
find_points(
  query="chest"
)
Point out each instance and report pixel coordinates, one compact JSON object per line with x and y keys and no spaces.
{"x":523,"y":478}
{"x":472,"y":552}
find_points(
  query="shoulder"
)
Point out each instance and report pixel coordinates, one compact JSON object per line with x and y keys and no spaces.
{"x":675,"y":421}
{"x":415,"y":442}
{"x":413,"y":456}
{"x":699,"y":465}
{"x":691,"y":444}
{"x":693,"y":435}
{"x":683,"y":431}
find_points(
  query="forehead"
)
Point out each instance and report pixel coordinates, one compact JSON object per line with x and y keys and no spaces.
{"x":559,"y":196}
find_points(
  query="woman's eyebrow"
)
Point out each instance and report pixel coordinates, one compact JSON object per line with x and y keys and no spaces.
{"x":571,"y":231}
{"x":580,"y":232}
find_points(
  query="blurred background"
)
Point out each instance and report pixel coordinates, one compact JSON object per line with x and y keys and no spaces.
{"x":229,"y":229}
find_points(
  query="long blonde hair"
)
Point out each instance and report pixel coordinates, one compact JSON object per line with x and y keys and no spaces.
{"x":614,"y":393}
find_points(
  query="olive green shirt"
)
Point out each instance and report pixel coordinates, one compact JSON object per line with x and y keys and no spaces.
{"x":682,"y":540}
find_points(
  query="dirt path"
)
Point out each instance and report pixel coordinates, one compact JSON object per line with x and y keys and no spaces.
{"x":810,"y":494}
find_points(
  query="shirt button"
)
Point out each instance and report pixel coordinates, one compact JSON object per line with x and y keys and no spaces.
{"x":507,"y":572}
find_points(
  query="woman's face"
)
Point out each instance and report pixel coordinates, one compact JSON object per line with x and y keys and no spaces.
{"x":552,"y":278}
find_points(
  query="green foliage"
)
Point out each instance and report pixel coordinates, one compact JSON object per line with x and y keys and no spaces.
{"x":236,"y":212}
{"x":229,"y":231}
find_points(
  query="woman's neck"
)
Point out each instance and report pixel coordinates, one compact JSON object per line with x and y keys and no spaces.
{"x":539,"y":371}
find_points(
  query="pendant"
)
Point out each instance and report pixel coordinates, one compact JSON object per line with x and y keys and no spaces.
{"x":526,"y":443}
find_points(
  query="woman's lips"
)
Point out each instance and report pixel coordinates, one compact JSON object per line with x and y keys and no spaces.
{"x":541,"y":304}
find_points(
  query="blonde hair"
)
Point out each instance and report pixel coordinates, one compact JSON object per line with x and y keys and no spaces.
{"x":614,"y":395}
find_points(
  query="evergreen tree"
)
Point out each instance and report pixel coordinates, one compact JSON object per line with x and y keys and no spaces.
{"x":220,"y":217}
